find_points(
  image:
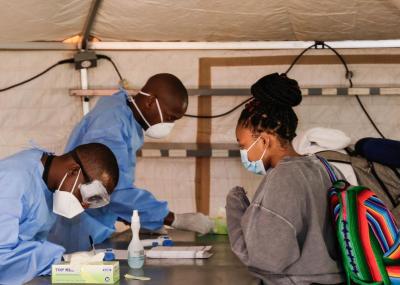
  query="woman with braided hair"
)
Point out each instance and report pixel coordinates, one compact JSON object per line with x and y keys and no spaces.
{"x":284,"y":235}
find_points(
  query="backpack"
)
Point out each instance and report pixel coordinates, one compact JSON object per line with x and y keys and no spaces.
{"x":383,"y":179}
{"x":366,"y":231}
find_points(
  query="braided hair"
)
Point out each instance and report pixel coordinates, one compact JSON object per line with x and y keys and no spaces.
{"x":271,"y":108}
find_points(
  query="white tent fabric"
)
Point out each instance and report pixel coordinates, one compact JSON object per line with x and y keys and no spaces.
{"x":41,"y":20}
{"x":43,"y":111}
{"x":226,"y":20}
{"x":207,"y":20}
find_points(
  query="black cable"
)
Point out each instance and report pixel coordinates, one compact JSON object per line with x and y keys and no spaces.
{"x":299,"y":56}
{"x":64,"y":61}
{"x":369,"y":117}
{"x":219,"y":115}
{"x":102,"y":56}
{"x":247,"y":100}
{"x":348,"y":75}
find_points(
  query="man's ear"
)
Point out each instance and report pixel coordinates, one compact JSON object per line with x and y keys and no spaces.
{"x":149,"y":101}
{"x":73,"y":169}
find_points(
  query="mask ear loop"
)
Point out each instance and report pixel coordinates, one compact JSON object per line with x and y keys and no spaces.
{"x":262,"y":156}
{"x":137,"y":108}
{"x":265,"y":150}
{"x":253,"y":143}
{"x":158,"y":105}
{"x":79,"y":162}
{"x":62,"y":181}
{"x":144,"y":93}
{"x":76,"y":181}
{"x":159,"y":110}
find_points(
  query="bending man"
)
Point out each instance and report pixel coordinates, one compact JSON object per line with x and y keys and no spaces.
{"x":35,"y":187}
{"x":120,"y":122}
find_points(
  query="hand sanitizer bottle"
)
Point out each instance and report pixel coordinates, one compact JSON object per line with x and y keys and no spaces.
{"x":135,"y":249}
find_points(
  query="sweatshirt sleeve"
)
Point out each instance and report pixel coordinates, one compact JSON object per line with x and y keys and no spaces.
{"x":270,"y":240}
{"x":236,"y":205}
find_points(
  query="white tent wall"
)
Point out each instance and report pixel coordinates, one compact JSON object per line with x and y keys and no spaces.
{"x":40,"y":112}
{"x":44,"y":111}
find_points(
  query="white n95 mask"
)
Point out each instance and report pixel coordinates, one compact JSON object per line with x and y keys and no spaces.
{"x":257,"y":166}
{"x":65,"y":203}
{"x":159,"y":130}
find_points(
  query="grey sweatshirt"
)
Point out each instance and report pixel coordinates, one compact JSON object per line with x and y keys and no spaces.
{"x":284,"y":235}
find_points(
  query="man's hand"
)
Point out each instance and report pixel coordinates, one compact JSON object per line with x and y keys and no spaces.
{"x":196,"y":222}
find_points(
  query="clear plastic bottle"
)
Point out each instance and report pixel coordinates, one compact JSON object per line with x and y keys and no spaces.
{"x":135,"y":249}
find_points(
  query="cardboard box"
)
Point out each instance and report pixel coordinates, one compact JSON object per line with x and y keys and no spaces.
{"x":106,"y":272}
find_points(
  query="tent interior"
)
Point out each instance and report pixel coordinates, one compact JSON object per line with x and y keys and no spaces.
{"x":218,"y":49}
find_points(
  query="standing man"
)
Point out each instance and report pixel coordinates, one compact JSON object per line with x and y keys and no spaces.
{"x":118,"y":121}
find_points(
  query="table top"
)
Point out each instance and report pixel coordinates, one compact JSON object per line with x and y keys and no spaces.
{"x":220,"y":269}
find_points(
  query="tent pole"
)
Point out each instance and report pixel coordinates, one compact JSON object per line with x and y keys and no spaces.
{"x":254,"y":45}
{"x":249,"y":45}
{"x":84,"y":86}
{"x":89,"y":23}
{"x":84,"y":46}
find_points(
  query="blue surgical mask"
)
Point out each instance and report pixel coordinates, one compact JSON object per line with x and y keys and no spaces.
{"x":257,"y":166}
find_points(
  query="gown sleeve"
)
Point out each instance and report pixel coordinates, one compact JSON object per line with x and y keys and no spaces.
{"x":21,"y":260}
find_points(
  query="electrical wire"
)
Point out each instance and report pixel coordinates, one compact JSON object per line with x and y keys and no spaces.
{"x":348,"y":76}
{"x":299,"y":56}
{"x":102,"y":56}
{"x":64,"y":61}
{"x":369,"y":117}
{"x":247,"y":100}
{"x":219,"y":115}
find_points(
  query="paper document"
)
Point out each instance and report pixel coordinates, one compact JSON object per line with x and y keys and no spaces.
{"x":179,"y":252}
{"x":169,"y":252}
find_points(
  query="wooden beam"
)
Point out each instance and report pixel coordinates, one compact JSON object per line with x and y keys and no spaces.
{"x":312,"y":91}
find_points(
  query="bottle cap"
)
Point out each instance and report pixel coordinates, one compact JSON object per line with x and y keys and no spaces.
{"x":135,"y":216}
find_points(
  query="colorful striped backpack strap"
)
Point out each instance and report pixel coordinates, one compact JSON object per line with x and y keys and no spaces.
{"x":367,"y":233}
{"x":329,"y":169}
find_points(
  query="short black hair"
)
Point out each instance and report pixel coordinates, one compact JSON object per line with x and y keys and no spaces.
{"x":271,"y":110}
{"x":171,"y":87}
{"x":99,"y":162}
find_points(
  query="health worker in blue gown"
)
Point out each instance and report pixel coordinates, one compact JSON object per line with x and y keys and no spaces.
{"x":120,"y":121}
{"x":35,"y":188}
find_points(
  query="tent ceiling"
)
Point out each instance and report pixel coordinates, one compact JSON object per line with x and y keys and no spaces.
{"x":202,"y":20}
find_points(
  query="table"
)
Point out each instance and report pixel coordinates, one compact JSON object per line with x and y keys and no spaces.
{"x":220,"y":269}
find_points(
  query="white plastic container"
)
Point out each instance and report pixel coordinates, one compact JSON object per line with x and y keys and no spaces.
{"x":135,"y":249}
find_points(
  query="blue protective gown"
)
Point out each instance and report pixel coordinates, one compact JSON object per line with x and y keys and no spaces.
{"x":26,"y":217}
{"x":112,"y":123}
